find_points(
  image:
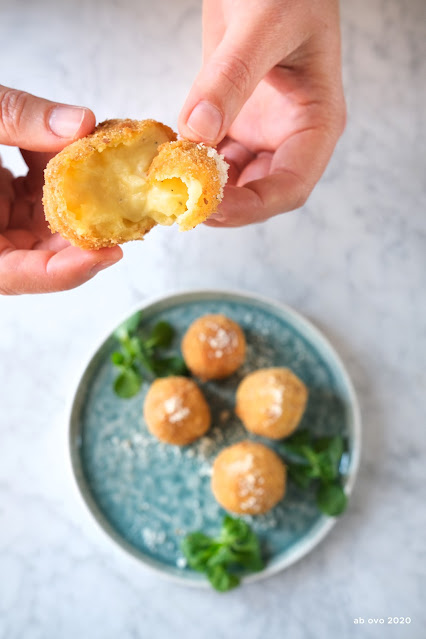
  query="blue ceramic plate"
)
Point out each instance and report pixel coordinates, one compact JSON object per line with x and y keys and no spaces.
{"x":146,"y":495}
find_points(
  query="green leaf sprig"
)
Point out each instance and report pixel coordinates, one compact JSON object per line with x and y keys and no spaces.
{"x":317,"y":460}
{"x":236,"y":547}
{"x":141,"y":356}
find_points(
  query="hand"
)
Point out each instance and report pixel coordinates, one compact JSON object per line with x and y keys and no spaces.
{"x":32,"y":260}
{"x":270,"y":95}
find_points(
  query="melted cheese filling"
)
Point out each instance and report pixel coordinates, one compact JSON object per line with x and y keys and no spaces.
{"x":111,"y":191}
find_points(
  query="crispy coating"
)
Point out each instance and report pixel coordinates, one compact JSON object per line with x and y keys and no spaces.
{"x":189,"y":161}
{"x":176,"y":411}
{"x":117,"y":183}
{"x":271,"y":401}
{"x":108,"y":134}
{"x":248,"y":478}
{"x":213,"y":347}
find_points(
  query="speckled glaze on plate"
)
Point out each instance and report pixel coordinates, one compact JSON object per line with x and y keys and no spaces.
{"x":146,"y":495}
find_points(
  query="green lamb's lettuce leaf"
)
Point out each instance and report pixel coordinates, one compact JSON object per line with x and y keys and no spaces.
{"x":128,"y":383}
{"x":331,"y":499}
{"x":317,"y":461}
{"x":236,"y":547}
{"x":143,"y":355}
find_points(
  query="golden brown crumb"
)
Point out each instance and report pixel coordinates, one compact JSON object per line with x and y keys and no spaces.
{"x":127,"y":176}
{"x":213,"y":347}
{"x":176,"y":411}
{"x":248,"y":478}
{"x":271,"y":401}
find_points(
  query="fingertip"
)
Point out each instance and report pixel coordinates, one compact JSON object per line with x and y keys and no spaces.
{"x":213,"y":223}
{"x":239,"y":207}
{"x":216,"y":218}
{"x":36,"y":124}
{"x":88,"y":123}
{"x":74,"y":266}
{"x":203,"y":123}
{"x":71,"y":122}
{"x":112,"y":254}
{"x":104,"y":259}
{"x":47,"y":271}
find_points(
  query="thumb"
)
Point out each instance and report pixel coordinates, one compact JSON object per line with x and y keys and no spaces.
{"x":225,"y":82}
{"x":36,"y":124}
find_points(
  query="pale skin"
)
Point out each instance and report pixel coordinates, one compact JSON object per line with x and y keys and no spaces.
{"x":32,"y":260}
{"x":270,"y":96}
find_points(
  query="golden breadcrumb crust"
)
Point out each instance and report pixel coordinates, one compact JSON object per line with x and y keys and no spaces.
{"x":183,"y":159}
{"x":110,"y":133}
{"x":176,"y":411}
{"x":187,"y":160}
{"x":213,"y":347}
{"x":271,"y":401}
{"x":248,"y":478}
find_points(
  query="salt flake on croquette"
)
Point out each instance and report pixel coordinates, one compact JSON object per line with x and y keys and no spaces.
{"x":214,"y":347}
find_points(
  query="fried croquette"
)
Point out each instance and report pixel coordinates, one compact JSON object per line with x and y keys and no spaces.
{"x":271,"y":401}
{"x":213,"y":347}
{"x":175,"y":411}
{"x":127,"y":176}
{"x":248,"y":478}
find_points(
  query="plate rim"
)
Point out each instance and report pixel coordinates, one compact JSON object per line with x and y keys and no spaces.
{"x":195,"y":579}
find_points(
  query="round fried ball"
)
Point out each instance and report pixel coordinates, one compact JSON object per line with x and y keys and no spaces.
{"x":248,"y":478}
{"x":271,"y":402}
{"x":213,"y":347}
{"x":175,"y":411}
{"x":117,"y":183}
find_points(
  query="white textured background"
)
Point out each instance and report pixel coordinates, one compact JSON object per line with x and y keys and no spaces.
{"x":353,"y":261}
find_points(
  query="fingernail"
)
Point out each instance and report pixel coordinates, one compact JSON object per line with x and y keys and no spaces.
{"x":65,"y":121}
{"x":217,"y":217}
{"x":100,"y":266}
{"x":205,"y":121}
